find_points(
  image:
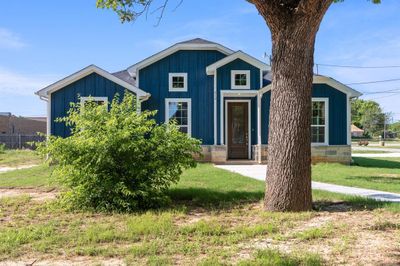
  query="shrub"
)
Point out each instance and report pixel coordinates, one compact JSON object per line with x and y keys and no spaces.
{"x":2,"y":148}
{"x":117,"y":159}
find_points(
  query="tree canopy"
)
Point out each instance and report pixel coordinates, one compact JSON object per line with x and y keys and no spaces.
{"x":130,"y":10}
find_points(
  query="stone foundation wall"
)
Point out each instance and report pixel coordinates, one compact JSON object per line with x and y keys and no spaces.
{"x":213,"y":153}
{"x":255,"y":153}
{"x":330,"y":154}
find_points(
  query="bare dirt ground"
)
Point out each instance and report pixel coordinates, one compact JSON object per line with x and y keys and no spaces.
{"x":35,"y":193}
{"x":78,"y":261}
{"x":342,"y":238}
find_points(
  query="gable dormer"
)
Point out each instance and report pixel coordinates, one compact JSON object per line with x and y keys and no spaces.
{"x":238,"y":71}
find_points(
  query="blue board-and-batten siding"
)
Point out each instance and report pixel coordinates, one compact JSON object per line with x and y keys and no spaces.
{"x":337,"y":113}
{"x":155,"y":80}
{"x":92,"y":85}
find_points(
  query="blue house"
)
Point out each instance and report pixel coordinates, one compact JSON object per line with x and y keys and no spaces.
{"x":215,"y":94}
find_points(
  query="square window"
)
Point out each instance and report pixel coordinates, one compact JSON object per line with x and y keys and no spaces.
{"x":85,"y":101}
{"x":240,"y":79}
{"x":178,"y":82}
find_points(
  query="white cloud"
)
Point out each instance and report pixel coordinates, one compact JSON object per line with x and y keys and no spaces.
{"x":10,"y":40}
{"x":13,"y":83}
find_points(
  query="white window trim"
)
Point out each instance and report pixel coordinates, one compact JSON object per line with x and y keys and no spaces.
{"x":235,"y":72}
{"x":94,"y":99}
{"x":326,"y":101}
{"x":185,"y":82}
{"x":174,"y":100}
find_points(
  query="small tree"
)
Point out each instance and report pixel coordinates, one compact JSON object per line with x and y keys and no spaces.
{"x":117,"y":159}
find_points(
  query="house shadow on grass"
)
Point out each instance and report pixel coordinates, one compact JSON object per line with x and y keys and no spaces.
{"x":212,"y":199}
{"x":376,"y":163}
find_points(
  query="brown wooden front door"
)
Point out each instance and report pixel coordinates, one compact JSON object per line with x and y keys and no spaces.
{"x":238,"y":130}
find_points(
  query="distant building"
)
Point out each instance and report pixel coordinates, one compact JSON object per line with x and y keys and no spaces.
{"x":13,"y":125}
{"x":356,"y":132}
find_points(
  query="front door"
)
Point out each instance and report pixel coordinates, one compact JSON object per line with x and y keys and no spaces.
{"x":238,"y":130}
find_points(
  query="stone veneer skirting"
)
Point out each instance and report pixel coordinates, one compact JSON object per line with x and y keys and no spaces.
{"x":331,"y":154}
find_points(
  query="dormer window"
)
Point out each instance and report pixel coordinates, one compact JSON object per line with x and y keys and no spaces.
{"x":240,"y":79}
{"x":178,"y":82}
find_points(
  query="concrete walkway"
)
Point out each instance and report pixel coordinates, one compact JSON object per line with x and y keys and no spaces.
{"x":258,"y":172}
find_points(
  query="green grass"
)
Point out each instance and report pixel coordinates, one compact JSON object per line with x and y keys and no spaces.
{"x":207,"y":185}
{"x":37,"y":176}
{"x":372,"y":173}
{"x":12,"y":158}
{"x":368,"y":151}
{"x":213,"y":216}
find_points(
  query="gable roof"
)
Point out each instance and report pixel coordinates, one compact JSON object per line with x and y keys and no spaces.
{"x":237,"y":55}
{"x":318,"y":79}
{"x":124,"y":75}
{"x":194,"y":44}
{"x":356,"y":129}
{"x":197,"y":41}
{"x":45,"y":92}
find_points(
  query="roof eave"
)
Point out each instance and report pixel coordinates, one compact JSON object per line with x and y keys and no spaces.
{"x":45,"y":92}
{"x":174,"y":48}
{"x":237,"y":55}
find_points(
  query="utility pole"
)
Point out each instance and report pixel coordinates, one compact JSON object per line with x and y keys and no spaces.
{"x":384,"y":126}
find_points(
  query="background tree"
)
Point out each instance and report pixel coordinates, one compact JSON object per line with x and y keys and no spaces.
{"x":368,"y":115}
{"x":293,"y":25}
{"x":395,"y":127}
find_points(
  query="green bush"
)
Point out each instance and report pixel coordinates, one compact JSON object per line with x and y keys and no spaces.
{"x":2,"y":148}
{"x":117,"y":159}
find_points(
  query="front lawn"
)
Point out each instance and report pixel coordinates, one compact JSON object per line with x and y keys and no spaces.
{"x":215,"y":218}
{"x":372,"y":173}
{"x":38,"y":176}
{"x":12,"y":158}
{"x":368,"y":152}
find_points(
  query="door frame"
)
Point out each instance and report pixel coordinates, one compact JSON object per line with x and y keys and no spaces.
{"x":248,"y":101}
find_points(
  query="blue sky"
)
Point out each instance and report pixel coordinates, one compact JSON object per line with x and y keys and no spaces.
{"x":43,"y":41}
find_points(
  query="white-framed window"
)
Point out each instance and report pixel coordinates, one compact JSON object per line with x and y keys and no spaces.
{"x":97,"y":100}
{"x":178,"y":82}
{"x":320,"y":121}
{"x":180,"y":110}
{"x":240,"y":79}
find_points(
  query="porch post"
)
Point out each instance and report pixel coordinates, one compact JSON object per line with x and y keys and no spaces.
{"x":222,"y":115}
{"x":259,"y":142}
{"x":138,"y":104}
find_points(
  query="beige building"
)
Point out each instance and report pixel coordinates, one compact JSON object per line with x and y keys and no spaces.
{"x":14,"y":125}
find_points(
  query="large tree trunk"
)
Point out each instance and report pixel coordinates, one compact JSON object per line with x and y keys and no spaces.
{"x":293,"y":26}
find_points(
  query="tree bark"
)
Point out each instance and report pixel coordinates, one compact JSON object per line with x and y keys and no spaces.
{"x":294,"y":25}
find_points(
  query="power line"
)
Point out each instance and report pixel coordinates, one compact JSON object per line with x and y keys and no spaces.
{"x":361,"y":67}
{"x":382,"y":92}
{"x":373,"y":82}
{"x":391,"y":95}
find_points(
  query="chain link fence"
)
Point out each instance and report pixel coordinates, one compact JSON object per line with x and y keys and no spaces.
{"x":18,"y":141}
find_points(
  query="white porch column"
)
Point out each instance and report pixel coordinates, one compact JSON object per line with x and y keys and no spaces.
{"x":259,"y":142}
{"x":222,"y":130}
{"x":138,"y":105}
